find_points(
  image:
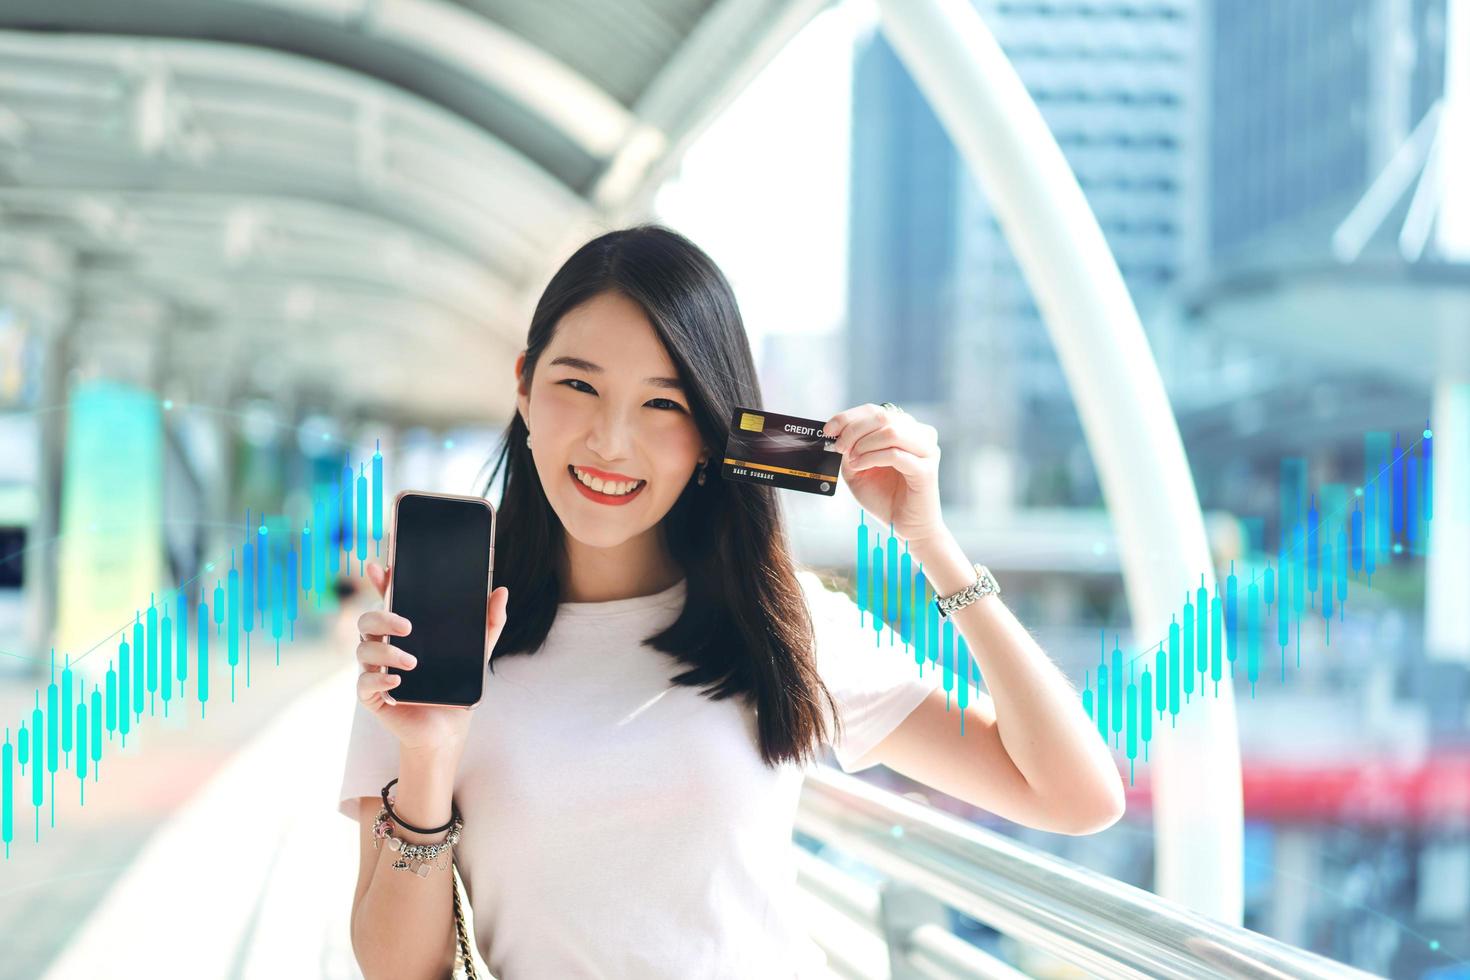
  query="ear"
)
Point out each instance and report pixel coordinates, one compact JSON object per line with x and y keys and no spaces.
{"x":523,"y":399}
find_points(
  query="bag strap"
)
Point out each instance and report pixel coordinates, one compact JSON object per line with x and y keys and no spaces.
{"x":465,"y":964}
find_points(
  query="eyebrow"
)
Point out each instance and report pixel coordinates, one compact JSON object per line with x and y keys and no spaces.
{"x":585,"y":365}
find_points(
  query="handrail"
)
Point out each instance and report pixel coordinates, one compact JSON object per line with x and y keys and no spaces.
{"x":1102,"y":925}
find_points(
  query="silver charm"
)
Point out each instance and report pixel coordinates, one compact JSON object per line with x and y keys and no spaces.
{"x":420,"y":858}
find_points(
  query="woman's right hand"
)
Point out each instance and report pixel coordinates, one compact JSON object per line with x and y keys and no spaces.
{"x":417,"y":726}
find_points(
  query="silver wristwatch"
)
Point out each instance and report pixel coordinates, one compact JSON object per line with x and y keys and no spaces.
{"x":985,"y":585}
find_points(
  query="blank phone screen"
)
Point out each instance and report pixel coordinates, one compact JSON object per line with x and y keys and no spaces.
{"x":440,"y":584}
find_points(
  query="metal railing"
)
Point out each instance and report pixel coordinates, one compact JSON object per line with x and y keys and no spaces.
{"x":932,"y":859}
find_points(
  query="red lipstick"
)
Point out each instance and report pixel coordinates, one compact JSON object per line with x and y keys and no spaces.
{"x":604,"y":498}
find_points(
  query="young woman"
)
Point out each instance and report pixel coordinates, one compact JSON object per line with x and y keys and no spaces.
{"x":662,"y":671}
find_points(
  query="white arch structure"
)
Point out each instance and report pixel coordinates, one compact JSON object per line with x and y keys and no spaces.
{"x":1125,"y":413}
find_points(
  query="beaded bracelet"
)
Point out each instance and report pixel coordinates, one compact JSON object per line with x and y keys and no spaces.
{"x":425,"y":856}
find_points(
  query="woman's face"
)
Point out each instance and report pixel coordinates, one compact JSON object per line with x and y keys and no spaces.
{"x":606,"y":407}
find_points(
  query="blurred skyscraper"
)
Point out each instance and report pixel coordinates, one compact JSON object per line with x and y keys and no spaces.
{"x":904,"y":231}
{"x":1308,"y":102}
{"x":939,"y":311}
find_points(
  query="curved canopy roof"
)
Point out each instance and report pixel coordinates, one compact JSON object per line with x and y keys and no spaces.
{"x":342,"y":204}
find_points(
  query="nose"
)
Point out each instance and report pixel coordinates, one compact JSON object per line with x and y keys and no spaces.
{"x":611,"y":437}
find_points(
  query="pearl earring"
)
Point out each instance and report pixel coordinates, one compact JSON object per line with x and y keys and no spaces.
{"x":700,"y":480}
{"x":528,"y":439}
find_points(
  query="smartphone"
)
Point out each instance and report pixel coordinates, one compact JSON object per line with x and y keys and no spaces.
{"x":442,"y":558}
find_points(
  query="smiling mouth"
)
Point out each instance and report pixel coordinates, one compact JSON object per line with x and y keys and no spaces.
{"x":632,"y":491}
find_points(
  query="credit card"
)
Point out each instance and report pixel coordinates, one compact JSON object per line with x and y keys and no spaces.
{"x":781,"y":451}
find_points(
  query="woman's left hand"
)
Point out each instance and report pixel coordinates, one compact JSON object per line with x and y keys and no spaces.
{"x":890,"y":461}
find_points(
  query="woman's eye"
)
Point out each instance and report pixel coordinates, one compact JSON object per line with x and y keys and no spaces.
{"x":578,"y":381}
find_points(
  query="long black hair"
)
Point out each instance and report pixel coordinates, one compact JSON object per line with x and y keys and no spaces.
{"x":745,"y":628}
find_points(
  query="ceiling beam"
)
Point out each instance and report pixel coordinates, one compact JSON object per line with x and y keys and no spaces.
{"x":477,"y":46}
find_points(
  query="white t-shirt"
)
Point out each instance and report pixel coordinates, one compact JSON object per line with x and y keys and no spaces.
{"x":619,"y":825}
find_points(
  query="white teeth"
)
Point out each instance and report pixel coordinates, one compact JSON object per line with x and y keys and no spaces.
{"x":611,"y":488}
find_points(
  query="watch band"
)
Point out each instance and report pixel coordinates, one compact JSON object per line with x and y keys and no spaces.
{"x":983,"y":586}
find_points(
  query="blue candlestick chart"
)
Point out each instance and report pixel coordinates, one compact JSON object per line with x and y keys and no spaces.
{"x":1329,"y":539}
{"x":268,"y":576}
